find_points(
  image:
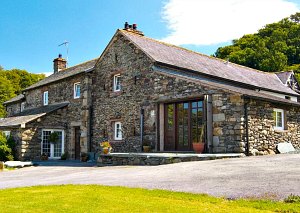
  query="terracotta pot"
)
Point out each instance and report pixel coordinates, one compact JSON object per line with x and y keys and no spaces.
{"x":147,"y":148}
{"x":84,"y":158}
{"x":198,"y":147}
{"x":105,"y":151}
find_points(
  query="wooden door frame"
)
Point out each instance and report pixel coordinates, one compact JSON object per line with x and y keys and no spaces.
{"x":175,"y":118}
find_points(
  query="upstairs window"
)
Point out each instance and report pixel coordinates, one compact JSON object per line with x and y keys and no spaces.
{"x":22,"y":106}
{"x":118,"y":131}
{"x":77,"y":90}
{"x":278,"y":115}
{"x":45,"y":98}
{"x":117,"y":82}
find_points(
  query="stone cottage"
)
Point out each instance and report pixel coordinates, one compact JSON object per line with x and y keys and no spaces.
{"x":143,"y":91}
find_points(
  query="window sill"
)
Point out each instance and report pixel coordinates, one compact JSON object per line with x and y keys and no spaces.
{"x":114,"y":94}
{"x":281,"y":130}
{"x":117,"y":141}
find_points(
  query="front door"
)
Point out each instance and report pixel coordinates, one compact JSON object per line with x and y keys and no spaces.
{"x":183,"y":123}
{"x":53,"y":150}
{"x":77,"y":143}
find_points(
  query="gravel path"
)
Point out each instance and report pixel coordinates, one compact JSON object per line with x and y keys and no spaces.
{"x":277,"y":176}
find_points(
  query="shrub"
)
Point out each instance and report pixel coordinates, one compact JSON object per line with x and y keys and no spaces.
{"x":292,"y":199}
{"x":5,"y":150}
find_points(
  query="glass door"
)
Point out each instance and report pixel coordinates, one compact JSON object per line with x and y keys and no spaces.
{"x":183,"y":124}
{"x":53,"y":150}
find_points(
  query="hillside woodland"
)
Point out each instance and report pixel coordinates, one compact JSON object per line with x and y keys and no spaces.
{"x":276,"y":47}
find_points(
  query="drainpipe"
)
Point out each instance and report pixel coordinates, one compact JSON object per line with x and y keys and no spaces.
{"x":90,"y":127}
{"x":142,"y":127}
{"x":246,"y":126}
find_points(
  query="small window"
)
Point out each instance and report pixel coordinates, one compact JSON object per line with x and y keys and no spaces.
{"x":45,"y":98}
{"x":117,"y":82}
{"x":279,"y":119}
{"x":22,"y":106}
{"x":76,"y":90}
{"x":118,"y":131}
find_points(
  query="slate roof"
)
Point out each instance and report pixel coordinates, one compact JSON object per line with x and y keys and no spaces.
{"x":30,"y":115}
{"x":15,"y":99}
{"x":284,"y":76}
{"x":182,"y":58}
{"x":225,"y":87}
{"x":65,"y":73}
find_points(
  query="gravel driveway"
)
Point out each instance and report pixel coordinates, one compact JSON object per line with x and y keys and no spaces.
{"x":275,"y":175}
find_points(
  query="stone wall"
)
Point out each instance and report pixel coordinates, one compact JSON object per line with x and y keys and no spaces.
{"x":13,"y":108}
{"x":143,"y":88}
{"x":228,"y":117}
{"x":262,"y":136}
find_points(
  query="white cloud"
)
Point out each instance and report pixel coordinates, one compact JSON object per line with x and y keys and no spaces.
{"x":205,"y":22}
{"x":47,"y":73}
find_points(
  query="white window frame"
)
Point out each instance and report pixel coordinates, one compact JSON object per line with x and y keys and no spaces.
{"x":116,"y":129}
{"x":22,"y":107}
{"x":276,"y":111}
{"x":74,"y":90}
{"x":52,"y":145}
{"x":117,"y":82}
{"x":46,"y":98}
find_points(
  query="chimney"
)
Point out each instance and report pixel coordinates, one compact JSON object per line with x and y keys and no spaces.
{"x":59,"y":64}
{"x":132,"y":28}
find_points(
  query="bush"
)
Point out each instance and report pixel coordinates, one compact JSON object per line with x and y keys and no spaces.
{"x":5,"y":150}
{"x":292,"y":199}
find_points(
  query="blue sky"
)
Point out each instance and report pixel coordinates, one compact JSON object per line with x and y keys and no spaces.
{"x":30,"y":31}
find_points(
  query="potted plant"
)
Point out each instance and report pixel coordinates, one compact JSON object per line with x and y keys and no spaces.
{"x":198,"y":146}
{"x":84,"y":157}
{"x":64,"y":156}
{"x":44,"y":156}
{"x":54,"y":137}
{"x":105,"y":147}
{"x":146,"y":146}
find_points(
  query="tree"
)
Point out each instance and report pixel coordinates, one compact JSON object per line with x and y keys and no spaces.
{"x":6,"y":92}
{"x":274,"y":48}
{"x":12,"y":82}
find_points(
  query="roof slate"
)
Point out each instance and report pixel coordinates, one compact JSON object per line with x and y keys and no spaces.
{"x":65,"y":73}
{"x":182,"y":58}
{"x":14,"y":99}
{"x":284,"y":76}
{"x":30,"y":115}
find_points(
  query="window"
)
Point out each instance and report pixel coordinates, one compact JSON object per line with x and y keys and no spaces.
{"x":76,"y":90}
{"x":117,"y":82}
{"x":22,"y":106}
{"x":45,"y":98}
{"x":118,"y":131}
{"x":279,"y":119}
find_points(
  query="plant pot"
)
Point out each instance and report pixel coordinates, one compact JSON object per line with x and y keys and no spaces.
{"x":105,"y":151}
{"x":43,"y":157}
{"x":147,"y":148}
{"x":198,"y":147}
{"x":84,"y":158}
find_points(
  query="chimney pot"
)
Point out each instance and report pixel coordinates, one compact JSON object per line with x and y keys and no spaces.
{"x":126,"y":25}
{"x":59,"y":63}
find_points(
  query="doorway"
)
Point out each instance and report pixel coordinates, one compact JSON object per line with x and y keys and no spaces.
{"x":183,"y":122}
{"x":77,"y":142}
{"x":53,"y":150}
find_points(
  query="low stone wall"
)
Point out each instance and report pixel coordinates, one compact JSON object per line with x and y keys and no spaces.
{"x":154,"y":159}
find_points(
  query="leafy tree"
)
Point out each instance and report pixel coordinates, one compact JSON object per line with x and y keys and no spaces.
{"x":5,"y":150}
{"x":275,"y":47}
{"x":12,"y":82}
{"x":6,"y":92}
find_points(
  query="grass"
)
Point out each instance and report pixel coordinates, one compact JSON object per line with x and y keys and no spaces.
{"x":95,"y":198}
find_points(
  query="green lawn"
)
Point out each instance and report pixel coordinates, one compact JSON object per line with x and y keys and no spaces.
{"x":95,"y":198}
